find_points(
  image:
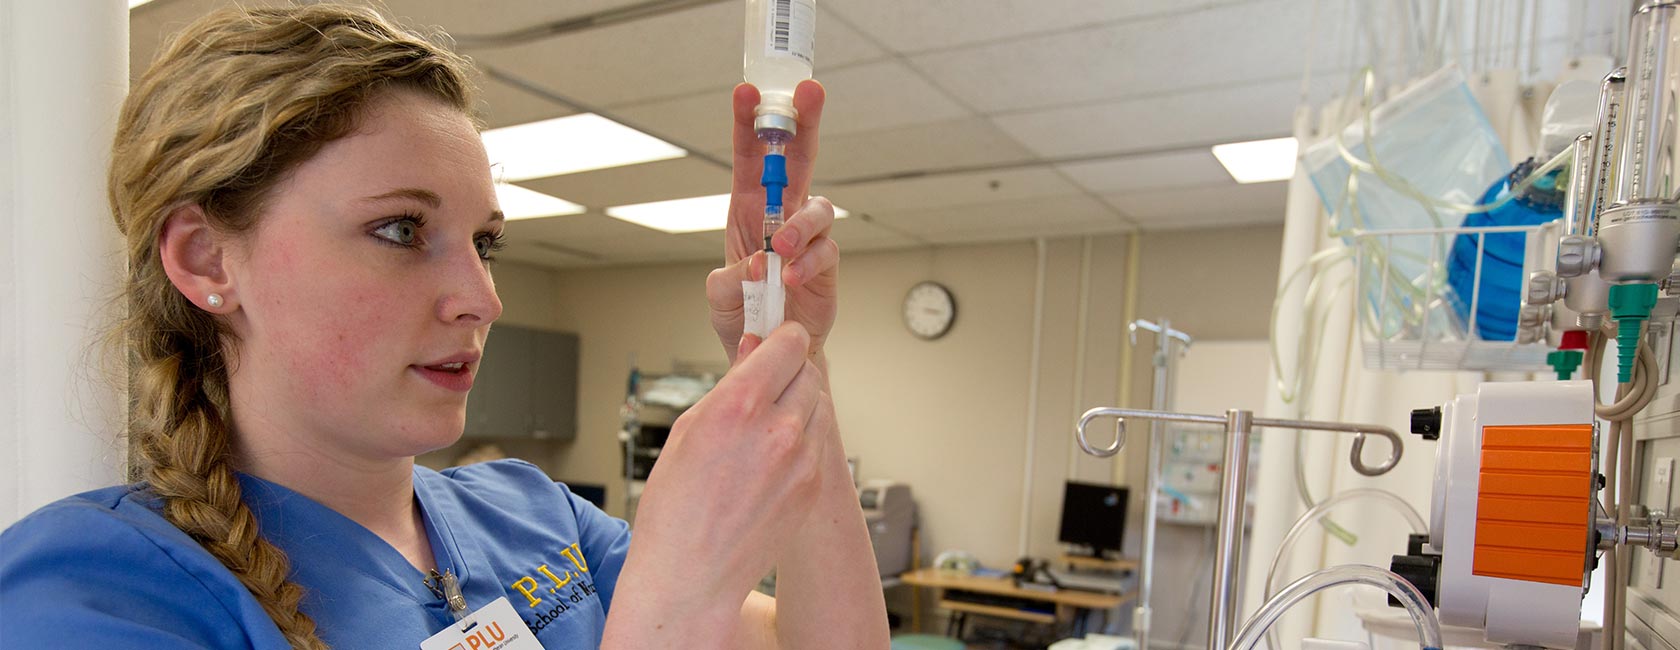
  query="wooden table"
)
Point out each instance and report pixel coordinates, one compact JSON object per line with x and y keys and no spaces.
{"x":1065,"y":600}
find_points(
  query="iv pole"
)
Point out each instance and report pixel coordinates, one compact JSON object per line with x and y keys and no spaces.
{"x":1233,"y":487}
{"x":1161,"y":399}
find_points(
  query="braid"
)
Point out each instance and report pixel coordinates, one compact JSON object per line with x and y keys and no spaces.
{"x":232,"y":104}
{"x":184,"y":441}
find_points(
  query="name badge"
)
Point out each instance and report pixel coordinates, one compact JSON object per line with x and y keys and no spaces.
{"x":494,"y":627}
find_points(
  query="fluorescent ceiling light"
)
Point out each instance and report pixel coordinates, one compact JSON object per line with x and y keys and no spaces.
{"x":696,"y":214}
{"x":571,"y":144}
{"x":520,"y":203}
{"x":1258,"y":161}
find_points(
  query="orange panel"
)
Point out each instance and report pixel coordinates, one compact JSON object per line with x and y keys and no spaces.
{"x":1543,"y":461}
{"x":1526,"y":535}
{"x":1538,"y":436}
{"x":1515,"y":483}
{"x":1546,"y":510}
{"x":1532,"y":506}
{"x":1558,"y":569}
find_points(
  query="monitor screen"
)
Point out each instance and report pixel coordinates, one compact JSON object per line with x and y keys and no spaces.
{"x":596,"y":494}
{"x":1093,"y":516}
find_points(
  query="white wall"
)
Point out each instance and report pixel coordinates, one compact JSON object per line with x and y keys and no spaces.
{"x":61,"y":82}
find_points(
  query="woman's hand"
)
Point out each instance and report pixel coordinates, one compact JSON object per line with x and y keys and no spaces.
{"x":731,"y":488}
{"x":811,"y":260}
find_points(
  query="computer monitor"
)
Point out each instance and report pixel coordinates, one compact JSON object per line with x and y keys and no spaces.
{"x":1093,"y":517}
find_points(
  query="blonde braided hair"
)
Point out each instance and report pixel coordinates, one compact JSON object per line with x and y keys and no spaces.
{"x":231,"y":104}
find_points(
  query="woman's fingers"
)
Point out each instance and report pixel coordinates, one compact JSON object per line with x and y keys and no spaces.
{"x":749,"y":342}
{"x":815,"y":219}
{"x":723,"y":286}
{"x":808,"y":99}
{"x":822,"y":257}
{"x":766,"y":373}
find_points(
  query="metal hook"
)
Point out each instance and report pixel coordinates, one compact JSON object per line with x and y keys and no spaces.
{"x":1163,"y":329}
{"x":1356,"y":456}
{"x":1119,"y":433}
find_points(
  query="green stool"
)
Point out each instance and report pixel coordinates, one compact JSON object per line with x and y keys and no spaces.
{"x":925,"y":642}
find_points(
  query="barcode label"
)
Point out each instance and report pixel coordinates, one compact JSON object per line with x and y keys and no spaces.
{"x":792,"y":26}
{"x":780,"y":24}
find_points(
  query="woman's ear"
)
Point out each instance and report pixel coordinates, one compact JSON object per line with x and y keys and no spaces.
{"x":194,"y":258}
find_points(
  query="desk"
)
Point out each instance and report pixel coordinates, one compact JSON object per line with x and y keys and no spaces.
{"x":1065,"y":600}
{"x":1118,"y":565}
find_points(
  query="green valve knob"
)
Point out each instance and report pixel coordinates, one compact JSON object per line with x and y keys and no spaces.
{"x":1564,"y":362}
{"x":1630,"y":305}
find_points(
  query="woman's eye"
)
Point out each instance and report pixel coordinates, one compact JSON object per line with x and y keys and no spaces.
{"x":487,"y":244}
{"x":405,"y":231}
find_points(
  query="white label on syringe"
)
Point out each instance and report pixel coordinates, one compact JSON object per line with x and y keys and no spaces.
{"x":792,"y":29}
{"x":752,"y":309}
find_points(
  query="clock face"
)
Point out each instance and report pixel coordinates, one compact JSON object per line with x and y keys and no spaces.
{"x":929,"y":310}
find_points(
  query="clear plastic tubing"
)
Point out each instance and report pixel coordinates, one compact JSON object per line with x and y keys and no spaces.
{"x":1318,"y":512}
{"x":1428,"y":627}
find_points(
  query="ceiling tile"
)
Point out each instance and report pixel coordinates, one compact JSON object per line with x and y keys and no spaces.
{"x":1214,"y":47}
{"x":472,"y":20}
{"x":1212,"y":220}
{"x":909,"y":27}
{"x":1200,"y":118}
{"x":1192,"y":205}
{"x":669,"y":55}
{"x":1010,"y":219}
{"x":1155,"y":171}
{"x":529,"y":253}
{"x":950,"y":190}
{"x":501,"y":104}
{"x":699,"y":122}
{"x":150,"y":24}
{"x":933,"y":146}
{"x":595,"y":237}
{"x":678,"y":178}
{"x":882,"y":95}
{"x":857,"y":234}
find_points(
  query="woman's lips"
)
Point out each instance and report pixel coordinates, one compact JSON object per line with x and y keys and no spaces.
{"x":448,"y":376}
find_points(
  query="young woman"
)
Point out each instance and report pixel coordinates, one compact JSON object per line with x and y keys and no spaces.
{"x":310,"y":217}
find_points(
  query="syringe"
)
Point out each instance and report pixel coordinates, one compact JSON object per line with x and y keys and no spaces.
{"x":775,"y":181}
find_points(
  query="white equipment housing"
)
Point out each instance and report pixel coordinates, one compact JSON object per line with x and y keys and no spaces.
{"x":1512,"y":611}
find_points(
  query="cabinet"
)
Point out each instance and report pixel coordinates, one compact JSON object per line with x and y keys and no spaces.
{"x":526,"y":387}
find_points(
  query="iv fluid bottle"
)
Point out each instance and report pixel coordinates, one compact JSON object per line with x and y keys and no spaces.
{"x":781,"y":39}
{"x":1499,"y":297}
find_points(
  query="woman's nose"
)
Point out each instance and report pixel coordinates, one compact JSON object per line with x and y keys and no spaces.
{"x":469,"y":294}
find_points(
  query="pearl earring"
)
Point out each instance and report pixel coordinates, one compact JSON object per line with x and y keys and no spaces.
{"x":215,"y":299}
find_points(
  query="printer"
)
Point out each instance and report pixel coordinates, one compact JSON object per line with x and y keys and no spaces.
{"x":891,"y":516}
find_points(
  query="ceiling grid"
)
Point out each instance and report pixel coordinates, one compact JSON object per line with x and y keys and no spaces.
{"x":949,"y":121}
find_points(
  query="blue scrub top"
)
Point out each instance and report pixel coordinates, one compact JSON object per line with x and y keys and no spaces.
{"x":104,"y":569}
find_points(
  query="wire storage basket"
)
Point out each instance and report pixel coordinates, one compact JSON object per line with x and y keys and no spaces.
{"x":1443,"y":298}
